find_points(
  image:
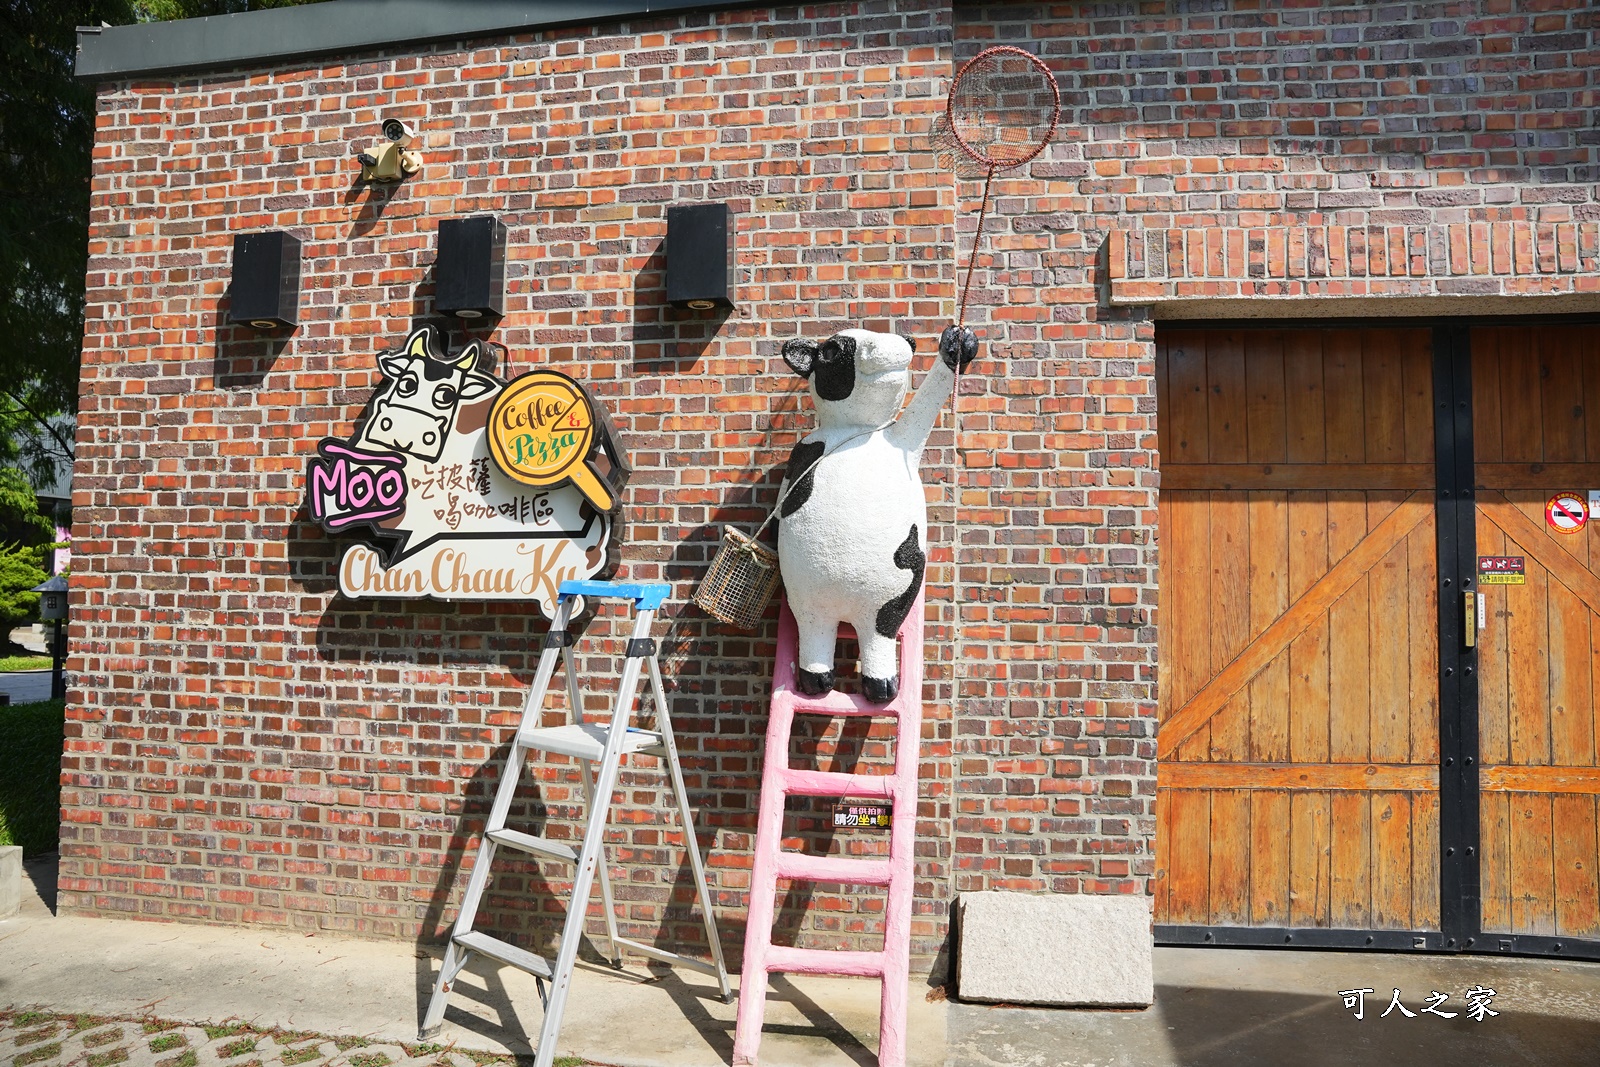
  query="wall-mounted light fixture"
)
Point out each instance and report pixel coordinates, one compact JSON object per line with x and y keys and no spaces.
{"x":392,"y":158}
{"x":265,"y":290}
{"x":700,"y":259}
{"x":470,"y":273}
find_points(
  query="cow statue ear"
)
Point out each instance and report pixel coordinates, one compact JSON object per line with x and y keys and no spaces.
{"x":422,"y":343}
{"x":800,"y":355}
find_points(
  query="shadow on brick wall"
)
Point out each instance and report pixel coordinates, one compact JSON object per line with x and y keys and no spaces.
{"x":667,"y":338}
{"x":370,"y":200}
{"x":242,"y":356}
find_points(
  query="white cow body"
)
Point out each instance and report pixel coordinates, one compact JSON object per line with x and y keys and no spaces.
{"x":853,"y":533}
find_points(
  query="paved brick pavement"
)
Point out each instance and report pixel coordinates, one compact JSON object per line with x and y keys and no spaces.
{"x":49,"y":1039}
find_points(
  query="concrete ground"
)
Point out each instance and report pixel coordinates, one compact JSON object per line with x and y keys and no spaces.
{"x":1239,"y":1008}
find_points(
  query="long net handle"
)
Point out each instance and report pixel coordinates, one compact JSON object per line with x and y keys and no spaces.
{"x":972,"y":258}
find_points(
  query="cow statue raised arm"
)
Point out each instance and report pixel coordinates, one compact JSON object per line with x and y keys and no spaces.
{"x":853,"y":529}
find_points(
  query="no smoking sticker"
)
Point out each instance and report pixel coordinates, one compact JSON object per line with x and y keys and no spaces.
{"x":1566,"y":513}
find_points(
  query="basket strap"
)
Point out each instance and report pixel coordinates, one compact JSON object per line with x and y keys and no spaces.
{"x":777,"y":507}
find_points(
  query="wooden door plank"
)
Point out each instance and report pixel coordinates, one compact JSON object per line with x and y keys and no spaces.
{"x":1188,"y":441}
{"x":1494,"y":868}
{"x":1561,"y":399}
{"x":1347,"y":574}
{"x":1528,"y":673}
{"x":1423,"y":642}
{"x":1304,"y":393}
{"x":1309,"y":859}
{"x":1533,"y":888}
{"x":1227,"y":399}
{"x":1502,"y":778}
{"x":1267,"y":414}
{"x":1308,"y":653}
{"x":1487,"y":446}
{"x":1383,"y":396}
{"x":1161,"y":906}
{"x":1269,"y":858}
{"x":1269,"y":599}
{"x":1230,"y":858}
{"x":1577,"y":863}
{"x":1391,"y":861}
{"x":1425,"y":860}
{"x":1185,"y":597}
{"x":1285,"y":476}
{"x":1417,"y":377}
{"x":1351,"y":862}
{"x":1343,"y":396}
{"x":1570,"y":710}
{"x":1188,"y":856}
{"x":1316,"y":777}
{"x":1349,"y":637}
{"x":1550,"y":478}
{"x":1389,"y":666}
{"x":1164,"y":450}
{"x":1520,"y":401}
{"x":1585,"y":340}
{"x":1494,"y":724}
{"x":1230,"y":627}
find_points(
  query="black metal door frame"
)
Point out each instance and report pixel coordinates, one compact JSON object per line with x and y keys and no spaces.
{"x":1460,"y":894}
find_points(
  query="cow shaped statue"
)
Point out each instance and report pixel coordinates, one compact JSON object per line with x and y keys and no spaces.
{"x":417,"y":405}
{"x":852,"y":533}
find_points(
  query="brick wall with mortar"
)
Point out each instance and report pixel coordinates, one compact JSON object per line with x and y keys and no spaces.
{"x":246,"y":746}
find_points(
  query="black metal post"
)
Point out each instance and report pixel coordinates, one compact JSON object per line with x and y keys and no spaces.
{"x":58,"y":650}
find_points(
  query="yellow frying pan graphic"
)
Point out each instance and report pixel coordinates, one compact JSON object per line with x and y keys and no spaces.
{"x":542,"y":433}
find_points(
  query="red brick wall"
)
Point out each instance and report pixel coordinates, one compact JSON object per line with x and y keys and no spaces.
{"x":247,"y":746}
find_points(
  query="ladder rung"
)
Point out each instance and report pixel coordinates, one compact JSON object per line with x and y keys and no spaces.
{"x":823,"y":961}
{"x":588,"y":740}
{"x":537,"y":845}
{"x":495,"y":949}
{"x":837,"y":703}
{"x":833,"y":869}
{"x":834,"y":784}
{"x":666,"y":957}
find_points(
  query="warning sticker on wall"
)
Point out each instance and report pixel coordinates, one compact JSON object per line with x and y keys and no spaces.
{"x":1502,"y":570}
{"x":859,"y":816}
{"x":1566,"y":513}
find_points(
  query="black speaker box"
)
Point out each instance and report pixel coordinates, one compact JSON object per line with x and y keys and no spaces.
{"x":265,"y":290}
{"x":470,"y":273}
{"x":700,"y":259}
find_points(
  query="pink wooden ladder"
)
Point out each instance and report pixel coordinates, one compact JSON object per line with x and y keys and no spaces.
{"x":778,"y":781}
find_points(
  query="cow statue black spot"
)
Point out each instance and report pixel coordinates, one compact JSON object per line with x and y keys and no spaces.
{"x":853,"y":529}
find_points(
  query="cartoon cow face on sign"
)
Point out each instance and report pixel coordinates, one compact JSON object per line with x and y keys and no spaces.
{"x":417,"y":407}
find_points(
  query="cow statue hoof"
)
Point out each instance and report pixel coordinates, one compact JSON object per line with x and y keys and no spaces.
{"x":852,"y":529}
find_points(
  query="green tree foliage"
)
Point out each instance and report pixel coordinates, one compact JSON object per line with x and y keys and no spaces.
{"x":46,"y":136}
{"x":21,"y":568}
{"x":20,"y":520}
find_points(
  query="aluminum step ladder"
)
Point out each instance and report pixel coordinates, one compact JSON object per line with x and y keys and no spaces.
{"x":780,"y":781}
{"x":607,"y":744}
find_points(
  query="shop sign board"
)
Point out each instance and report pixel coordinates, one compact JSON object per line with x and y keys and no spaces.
{"x":461,"y":486}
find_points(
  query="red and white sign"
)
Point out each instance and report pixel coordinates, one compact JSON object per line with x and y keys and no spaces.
{"x":1566,"y":513}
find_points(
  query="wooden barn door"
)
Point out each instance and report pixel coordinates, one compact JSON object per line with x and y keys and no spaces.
{"x":1297,"y":792}
{"x":1536,"y":434}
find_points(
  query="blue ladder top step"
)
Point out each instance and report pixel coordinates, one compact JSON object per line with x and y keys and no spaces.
{"x":646,"y":595}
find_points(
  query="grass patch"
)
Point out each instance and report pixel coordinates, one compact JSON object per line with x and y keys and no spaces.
{"x":33,"y":1037}
{"x":168,"y":1042}
{"x":156,"y":1026}
{"x":237,"y":1048}
{"x":43,"y":1052}
{"x":30,"y":790}
{"x":104,"y":1037}
{"x":30,"y":1018}
{"x":25,"y":663}
{"x":301,"y":1055}
{"x":568,"y":1061}
{"x":224,"y":1030}
{"x":106,"y":1059}
{"x":83,"y":1021}
{"x":427,"y":1048}
{"x":188,"y":1059}
{"x":371,"y":1059}
{"x":344,"y":1044}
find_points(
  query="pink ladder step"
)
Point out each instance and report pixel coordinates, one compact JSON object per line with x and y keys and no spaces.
{"x":778,"y":781}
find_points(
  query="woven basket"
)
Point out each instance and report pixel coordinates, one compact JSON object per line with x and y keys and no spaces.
{"x":742,"y":578}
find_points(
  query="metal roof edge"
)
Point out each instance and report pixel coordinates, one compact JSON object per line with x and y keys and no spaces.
{"x":109,"y":53}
